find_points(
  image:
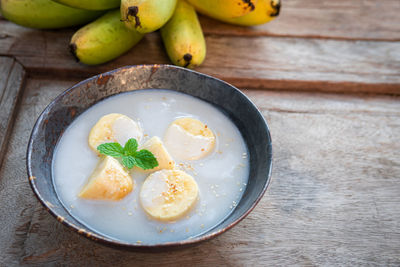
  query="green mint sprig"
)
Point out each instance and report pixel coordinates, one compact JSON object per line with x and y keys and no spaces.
{"x":129,"y":155}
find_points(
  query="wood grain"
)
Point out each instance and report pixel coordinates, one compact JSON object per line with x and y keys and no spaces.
{"x":12,"y":76}
{"x":262,"y":62}
{"x":340,"y":19}
{"x":333,"y":199}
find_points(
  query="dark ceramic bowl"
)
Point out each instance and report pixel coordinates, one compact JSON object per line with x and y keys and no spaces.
{"x":67,"y":106}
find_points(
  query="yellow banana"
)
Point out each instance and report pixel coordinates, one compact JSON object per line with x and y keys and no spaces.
{"x":146,"y":15}
{"x":265,"y":11}
{"x":220,"y":9}
{"x":114,"y":127}
{"x":45,"y":14}
{"x":189,"y":139}
{"x":156,"y":146}
{"x":109,"y":181}
{"x":168,"y":195}
{"x":91,"y":4}
{"x":103,"y":40}
{"x":183,"y":37}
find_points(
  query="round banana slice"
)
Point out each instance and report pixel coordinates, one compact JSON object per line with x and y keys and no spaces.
{"x":189,"y":139}
{"x":109,"y":181}
{"x":114,"y":127}
{"x":167,"y":195}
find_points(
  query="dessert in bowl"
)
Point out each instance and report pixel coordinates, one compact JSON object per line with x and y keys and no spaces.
{"x":210,"y":147}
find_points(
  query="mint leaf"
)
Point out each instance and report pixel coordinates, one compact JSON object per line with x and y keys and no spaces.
{"x":145,"y":159}
{"x":111,"y":149}
{"x":129,"y":155}
{"x":128,"y":161}
{"x":130,"y":147}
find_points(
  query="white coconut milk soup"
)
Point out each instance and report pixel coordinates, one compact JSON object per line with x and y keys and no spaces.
{"x":221,"y":175}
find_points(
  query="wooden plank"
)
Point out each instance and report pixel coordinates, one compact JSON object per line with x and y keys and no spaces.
{"x":333,"y":199}
{"x":11,"y":81}
{"x":262,"y":62}
{"x":340,"y":19}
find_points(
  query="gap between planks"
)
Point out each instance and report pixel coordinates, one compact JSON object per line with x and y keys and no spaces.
{"x":12,"y":76}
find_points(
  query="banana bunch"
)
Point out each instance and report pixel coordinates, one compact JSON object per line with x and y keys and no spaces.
{"x":115,"y":26}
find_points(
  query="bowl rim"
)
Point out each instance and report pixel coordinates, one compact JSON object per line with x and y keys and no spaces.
{"x":112,"y":242}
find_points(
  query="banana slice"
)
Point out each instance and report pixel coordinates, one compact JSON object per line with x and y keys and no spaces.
{"x":155,"y":146}
{"x":167,"y":195}
{"x":109,"y":181}
{"x":114,"y":127}
{"x":189,"y":139}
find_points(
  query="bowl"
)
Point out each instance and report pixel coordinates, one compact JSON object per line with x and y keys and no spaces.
{"x":67,"y":106}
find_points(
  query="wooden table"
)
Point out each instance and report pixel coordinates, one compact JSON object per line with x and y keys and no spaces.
{"x":326,"y":75}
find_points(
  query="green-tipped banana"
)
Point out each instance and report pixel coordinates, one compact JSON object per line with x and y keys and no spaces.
{"x":91,"y":4}
{"x":183,"y":37}
{"x":103,"y":39}
{"x":45,"y":14}
{"x":265,"y":11}
{"x":146,"y":15}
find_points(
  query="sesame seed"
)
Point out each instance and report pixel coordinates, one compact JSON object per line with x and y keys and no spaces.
{"x":72,"y":206}
{"x":201,"y":164}
{"x":240,"y":189}
{"x":130,"y":213}
{"x":138,"y":241}
{"x":187,"y":230}
{"x":202,"y":225}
